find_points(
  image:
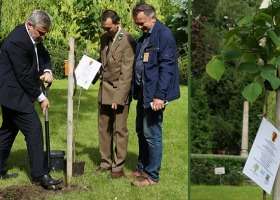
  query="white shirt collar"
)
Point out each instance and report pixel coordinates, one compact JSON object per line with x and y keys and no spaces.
{"x":34,"y":43}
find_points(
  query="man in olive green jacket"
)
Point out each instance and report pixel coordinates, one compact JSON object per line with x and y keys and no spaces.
{"x":117,"y":56}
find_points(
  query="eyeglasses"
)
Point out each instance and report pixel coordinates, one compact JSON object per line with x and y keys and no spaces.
{"x":41,"y":33}
{"x":139,"y":23}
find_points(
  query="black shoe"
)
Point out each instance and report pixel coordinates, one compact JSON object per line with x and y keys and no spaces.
{"x":46,"y":181}
{"x":6,"y":176}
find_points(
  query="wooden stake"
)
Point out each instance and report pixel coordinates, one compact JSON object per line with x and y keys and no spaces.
{"x":71,"y":59}
{"x":245,"y":130}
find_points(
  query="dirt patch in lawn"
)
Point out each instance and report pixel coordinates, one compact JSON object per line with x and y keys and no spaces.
{"x":29,"y":192}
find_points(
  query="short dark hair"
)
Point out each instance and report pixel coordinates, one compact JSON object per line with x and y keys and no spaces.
{"x":110,"y":14}
{"x":148,"y":9}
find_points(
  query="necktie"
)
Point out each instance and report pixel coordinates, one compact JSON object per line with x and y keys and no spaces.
{"x":35,"y":46}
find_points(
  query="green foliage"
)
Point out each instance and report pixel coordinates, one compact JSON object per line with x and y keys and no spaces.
{"x":256,"y":34}
{"x":81,"y":20}
{"x":215,"y":68}
{"x":217,"y":106}
{"x":252,"y":91}
{"x":217,"y":110}
{"x":58,"y":54}
{"x":89,"y":12}
{"x":201,"y":135}
{"x":179,"y":21}
{"x":183,"y":69}
{"x":203,"y":170}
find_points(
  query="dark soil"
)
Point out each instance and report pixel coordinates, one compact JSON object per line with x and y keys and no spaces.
{"x":78,"y":168}
{"x":29,"y":192}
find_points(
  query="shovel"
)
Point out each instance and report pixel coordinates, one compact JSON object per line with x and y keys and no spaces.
{"x":47,"y":130}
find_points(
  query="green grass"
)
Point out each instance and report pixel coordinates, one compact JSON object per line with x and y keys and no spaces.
{"x":248,"y":192}
{"x":173,"y":175}
{"x":174,"y":181}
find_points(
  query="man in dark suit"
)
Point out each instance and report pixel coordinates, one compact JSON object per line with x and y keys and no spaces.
{"x":24,"y":64}
{"x":117,"y":54}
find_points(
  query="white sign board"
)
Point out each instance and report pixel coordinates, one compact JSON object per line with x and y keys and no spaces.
{"x":86,"y":71}
{"x":263,"y":161}
{"x":219,"y":170}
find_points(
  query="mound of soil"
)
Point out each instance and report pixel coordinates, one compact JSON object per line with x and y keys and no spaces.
{"x":29,"y":192}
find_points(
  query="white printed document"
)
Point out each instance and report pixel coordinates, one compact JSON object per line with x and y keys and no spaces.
{"x":263,"y":161}
{"x":86,"y":71}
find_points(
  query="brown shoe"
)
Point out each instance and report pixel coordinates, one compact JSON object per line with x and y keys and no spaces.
{"x":143,"y":182}
{"x":135,"y":174}
{"x":115,"y":175}
{"x":100,"y":170}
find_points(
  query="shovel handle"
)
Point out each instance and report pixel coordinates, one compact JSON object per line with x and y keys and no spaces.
{"x":45,"y":89}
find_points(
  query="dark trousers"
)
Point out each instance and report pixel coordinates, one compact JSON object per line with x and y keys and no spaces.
{"x":30,"y":125}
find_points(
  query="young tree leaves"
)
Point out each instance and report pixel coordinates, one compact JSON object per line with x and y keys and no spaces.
{"x":215,"y":68}
{"x":252,"y":91}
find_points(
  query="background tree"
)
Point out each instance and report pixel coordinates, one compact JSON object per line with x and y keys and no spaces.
{"x":219,"y":120}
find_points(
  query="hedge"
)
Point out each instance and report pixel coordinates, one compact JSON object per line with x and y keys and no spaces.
{"x":203,"y":169}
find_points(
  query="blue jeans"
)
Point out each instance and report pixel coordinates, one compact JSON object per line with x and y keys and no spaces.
{"x":148,"y":128}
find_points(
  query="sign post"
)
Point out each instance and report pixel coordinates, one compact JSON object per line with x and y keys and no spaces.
{"x":220,"y":171}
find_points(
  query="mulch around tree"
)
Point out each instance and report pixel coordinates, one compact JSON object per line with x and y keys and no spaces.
{"x":29,"y":192}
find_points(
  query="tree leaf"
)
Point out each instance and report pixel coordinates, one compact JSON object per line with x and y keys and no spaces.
{"x":231,"y":54}
{"x":249,"y":67}
{"x":249,"y":57}
{"x":272,"y":78}
{"x":246,"y":19}
{"x":277,"y":60}
{"x":215,"y":68}
{"x":269,"y":67}
{"x":273,"y":36}
{"x":252,"y":91}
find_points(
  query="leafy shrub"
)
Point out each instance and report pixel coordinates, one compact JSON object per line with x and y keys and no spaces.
{"x":203,"y":170}
{"x":200,"y":116}
{"x":59,"y":52}
{"x":183,"y":70}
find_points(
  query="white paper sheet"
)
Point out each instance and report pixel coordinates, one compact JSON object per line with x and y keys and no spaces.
{"x":263,"y":161}
{"x":86,"y":71}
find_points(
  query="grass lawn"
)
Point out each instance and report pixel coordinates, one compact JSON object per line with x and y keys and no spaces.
{"x":248,"y":192}
{"x":174,"y":181}
{"x":173,"y":175}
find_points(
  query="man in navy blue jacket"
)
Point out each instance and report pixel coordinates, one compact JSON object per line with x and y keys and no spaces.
{"x":155,"y":83}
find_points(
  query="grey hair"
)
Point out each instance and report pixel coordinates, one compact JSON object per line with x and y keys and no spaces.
{"x":40,"y":17}
{"x":147,"y":9}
